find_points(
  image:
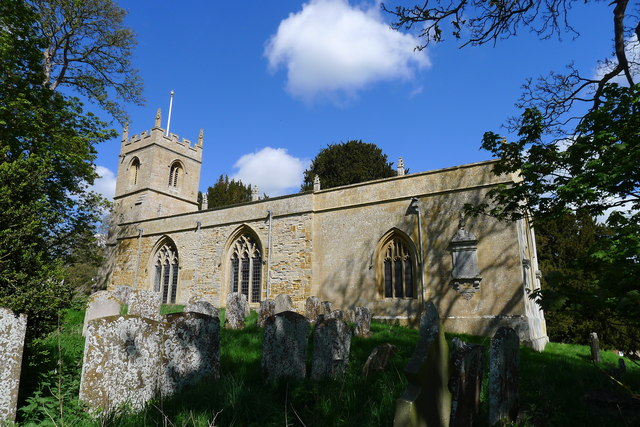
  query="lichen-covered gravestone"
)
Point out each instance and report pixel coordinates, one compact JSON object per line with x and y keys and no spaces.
{"x":336,"y":314}
{"x":145,"y":304}
{"x":363,"y":322}
{"x":326,"y":307}
{"x":100,"y":304}
{"x":465,"y":383}
{"x":122,"y":293}
{"x":331,"y":346}
{"x":379,"y":359}
{"x":426,"y":400}
{"x":504,"y":360}
{"x":349,"y":315}
{"x":191,"y":350}
{"x":283,"y":303}
{"x":12,"y":331}
{"x":312,"y":308}
{"x":121,"y":362}
{"x":284,"y":346}
{"x":203,"y":307}
{"x":237,"y":307}
{"x":267,"y":309}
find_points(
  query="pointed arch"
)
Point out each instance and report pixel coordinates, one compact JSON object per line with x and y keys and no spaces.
{"x":134,"y":171}
{"x":244,"y":271}
{"x":396,"y":266}
{"x":165,"y":266}
{"x":176,"y":175}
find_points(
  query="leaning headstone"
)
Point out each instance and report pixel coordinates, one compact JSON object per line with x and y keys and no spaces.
{"x":312,"y":308}
{"x":331,"y":346}
{"x":379,"y":359}
{"x":335,"y":314}
{"x":267,"y":309}
{"x":121,"y":362}
{"x":236,"y":310}
{"x":12,"y":332}
{"x":363,"y":322}
{"x":283,"y":303}
{"x":426,"y":400}
{"x":145,"y":304}
{"x":595,"y":347}
{"x":466,"y":381}
{"x":202,"y":307}
{"x":100,"y":304}
{"x":122,"y":292}
{"x":326,"y":307}
{"x":504,"y":360}
{"x":284,"y":346}
{"x":190,"y":349}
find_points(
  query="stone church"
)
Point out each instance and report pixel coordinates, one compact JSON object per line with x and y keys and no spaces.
{"x":389,"y":244}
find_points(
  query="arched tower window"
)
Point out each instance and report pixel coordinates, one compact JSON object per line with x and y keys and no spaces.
{"x":175,"y":175}
{"x":398,"y":268}
{"x":134,"y":171}
{"x":246,"y":268}
{"x":166,"y":273}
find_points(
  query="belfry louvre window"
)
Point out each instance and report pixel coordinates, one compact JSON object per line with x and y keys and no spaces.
{"x":166,"y":274}
{"x":175,"y":174}
{"x":246,"y":268}
{"x":397,"y":270}
{"x":134,"y":170}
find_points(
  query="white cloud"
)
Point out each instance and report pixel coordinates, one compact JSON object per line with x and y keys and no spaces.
{"x":632,"y":50}
{"x":106,"y":183}
{"x":332,"y":49}
{"x":273,"y":170}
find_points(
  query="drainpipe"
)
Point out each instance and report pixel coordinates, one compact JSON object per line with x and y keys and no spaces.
{"x":195,"y":273}
{"x":135,"y":278}
{"x":269,"y":255}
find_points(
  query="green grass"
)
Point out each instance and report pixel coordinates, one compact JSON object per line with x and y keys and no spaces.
{"x":552,"y":386}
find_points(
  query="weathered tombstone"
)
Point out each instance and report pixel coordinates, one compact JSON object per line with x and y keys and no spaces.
{"x":349,"y":315}
{"x":100,"y":304}
{"x":121,"y":362}
{"x":466,"y":382}
{"x":145,"y":304}
{"x":267,"y":309}
{"x":203,"y":307}
{"x":237,"y":307}
{"x":12,"y":332}
{"x":504,"y":358}
{"x":331,"y":346}
{"x":335,"y":314}
{"x":426,"y":400}
{"x":283,"y":303}
{"x":379,"y":359}
{"x":190,"y":349}
{"x":595,"y":347}
{"x":363,"y":322}
{"x":284,"y":346}
{"x":122,"y":293}
{"x":312,"y":308}
{"x":326,"y":307}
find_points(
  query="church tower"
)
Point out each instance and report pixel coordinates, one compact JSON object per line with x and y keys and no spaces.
{"x":158,"y":175}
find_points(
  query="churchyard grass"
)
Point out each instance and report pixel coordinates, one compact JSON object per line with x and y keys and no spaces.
{"x":552,"y":385}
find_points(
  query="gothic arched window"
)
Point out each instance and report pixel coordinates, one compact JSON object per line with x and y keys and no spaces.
{"x":166,"y":273}
{"x":134,"y":171}
{"x":175,"y":175}
{"x":398,"y":270}
{"x":246,"y":268}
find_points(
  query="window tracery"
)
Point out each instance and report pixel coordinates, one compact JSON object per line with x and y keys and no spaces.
{"x":246,"y":268}
{"x":166,"y":273}
{"x":398,"y":271}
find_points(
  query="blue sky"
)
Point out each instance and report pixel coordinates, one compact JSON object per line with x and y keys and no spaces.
{"x":272,"y":83}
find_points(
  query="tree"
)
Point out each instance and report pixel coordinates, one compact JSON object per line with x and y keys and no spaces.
{"x":225,"y":192}
{"x":89,"y":49}
{"x":46,"y":164}
{"x":347,"y":163}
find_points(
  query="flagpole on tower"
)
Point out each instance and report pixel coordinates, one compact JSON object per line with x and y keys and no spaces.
{"x":169,"y":118}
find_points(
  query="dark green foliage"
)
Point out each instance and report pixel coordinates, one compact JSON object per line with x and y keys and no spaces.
{"x":347,"y":163}
{"x":227,"y":192}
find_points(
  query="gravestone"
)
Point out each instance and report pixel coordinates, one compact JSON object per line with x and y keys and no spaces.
{"x":267,"y":309}
{"x":363,"y":322}
{"x":202,"y":307}
{"x":122,"y":293}
{"x":335,"y":314}
{"x":284,"y":346}
{"x":326,"y":307}
{"x":466,"y":381}
{"x":191,"y":350}
{"x":100,"y":304}
{"x":121,"y":363}
{"x":13,"y":328}
{"x":349,"y":315}
{"x":312,"y":308}
{"x":379,"y":359}
{"x":145,"y":304}
{"x":283,"y":303}
{"x":331,"y":346}
{"x":237,"y":308}
{"x":504,"y":360}
{"x":594,"y":342}
{"x":426,"y":400}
